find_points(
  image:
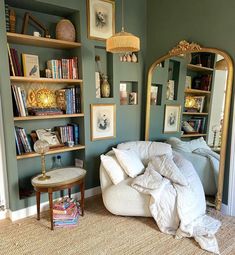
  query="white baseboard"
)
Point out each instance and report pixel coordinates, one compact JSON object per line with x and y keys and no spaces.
{"x":224,"y":209}
{"x":32,"y":210}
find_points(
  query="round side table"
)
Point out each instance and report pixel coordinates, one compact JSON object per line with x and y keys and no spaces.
{"x":63,"y":178}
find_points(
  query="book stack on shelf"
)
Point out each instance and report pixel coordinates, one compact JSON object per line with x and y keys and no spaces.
{"x":70,"y":99}
{"x":19,"y":101}
{"x":66,"y":212}
{"x":69,"y":133}
{"x":15,"y":67}
{"x":198,"y":124}
{"x":63,"y":68}
{"x":23,"y":144}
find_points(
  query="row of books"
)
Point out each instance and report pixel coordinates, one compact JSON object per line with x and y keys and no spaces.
{"x":23,"y":144}
{"x":63,"y":68}
{"x":15,"y":67}
{"x":198,"y":124}
{"x":70,"y":99}
{"x":69,"y":132}
{"x":19,"y":101}
{"x":66,"y":212}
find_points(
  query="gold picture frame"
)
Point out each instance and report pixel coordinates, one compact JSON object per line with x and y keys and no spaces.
{"x":100,"y":19}
{"x":172,"y":119}
{"x":103,"y":121}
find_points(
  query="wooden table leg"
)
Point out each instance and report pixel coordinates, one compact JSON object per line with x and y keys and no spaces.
{"x":82,"y":196}
{"x":38,"y":204}
{"x":51,"y":208}
{"x":69,"y":192}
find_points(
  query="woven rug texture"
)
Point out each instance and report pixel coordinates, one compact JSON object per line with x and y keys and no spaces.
{"x":101,"y":233}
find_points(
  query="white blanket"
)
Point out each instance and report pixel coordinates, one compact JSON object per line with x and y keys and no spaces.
{"x":214,"y":160}
{"x":177,"y":200}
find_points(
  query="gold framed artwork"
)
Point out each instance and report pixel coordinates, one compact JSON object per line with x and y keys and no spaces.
{"x":103,"y":121}
{"x":30,"y":65}
{"x":172,"y":118}
{"x":100,"y":19}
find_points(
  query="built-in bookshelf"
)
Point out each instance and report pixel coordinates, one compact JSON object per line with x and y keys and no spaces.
{"x":200,"y":73}
{"x":54,"y":50}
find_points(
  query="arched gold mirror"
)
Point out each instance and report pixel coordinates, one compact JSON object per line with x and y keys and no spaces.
{"x":188,"y":99}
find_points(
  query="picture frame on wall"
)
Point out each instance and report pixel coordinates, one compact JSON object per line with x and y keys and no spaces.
{"x":100,"y":19}
{"x":103,"y":121}
{"x":172,"y":119}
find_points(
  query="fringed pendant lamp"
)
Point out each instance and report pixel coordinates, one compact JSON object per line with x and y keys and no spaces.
{"x":123,"y":42}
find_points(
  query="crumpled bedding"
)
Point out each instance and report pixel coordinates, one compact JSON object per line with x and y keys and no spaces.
{"x":177,"y":200}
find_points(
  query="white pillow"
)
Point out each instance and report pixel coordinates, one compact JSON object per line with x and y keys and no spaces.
{"x":113,"y":169}
{"x":129,"y":161}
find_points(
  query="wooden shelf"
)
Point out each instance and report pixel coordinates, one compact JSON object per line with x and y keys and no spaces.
{"x":195,"y":113}
{"x":43,"y":80}
{"x":200,"y":68}
{"x":41,"y":41}
{"x":52,"y":151}
{"x":193,"y":135}
{"x":45,"y":117}
{"x":196,"y":91}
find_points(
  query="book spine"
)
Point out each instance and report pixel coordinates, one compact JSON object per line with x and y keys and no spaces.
{"x":10,"y":58}
{"x":23,"y":95}
{"x":15,"y":102}
{"x":75,"y":67}
{"x":23,"y":113}
{"x":78,"y":99}
{"x":19,"y":140}
{"x":59,"y":69}
{"x":18,"y":150}
{"x":18,"y":63}
{"x":14,"y":61}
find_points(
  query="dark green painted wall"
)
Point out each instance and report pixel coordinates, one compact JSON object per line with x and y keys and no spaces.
{"x":128,"y":117}
{"x":209,"y":23}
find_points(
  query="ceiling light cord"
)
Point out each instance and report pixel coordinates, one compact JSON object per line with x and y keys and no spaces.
{"x":122,"y":17}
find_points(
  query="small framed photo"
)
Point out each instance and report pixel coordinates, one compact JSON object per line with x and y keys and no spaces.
{"x":100,"y":19}
{"x":172,"y":118}
{"x":103,"y":121}
{"x":30,"y":65}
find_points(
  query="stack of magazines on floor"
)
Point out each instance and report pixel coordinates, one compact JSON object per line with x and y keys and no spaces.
{"x":66,"y":212}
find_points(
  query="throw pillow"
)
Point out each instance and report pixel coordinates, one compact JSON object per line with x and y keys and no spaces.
{"x":113,"y":169}
{"x":129,"y":161}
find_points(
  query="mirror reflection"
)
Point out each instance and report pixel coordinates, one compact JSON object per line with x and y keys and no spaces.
{"x":187,"y":100}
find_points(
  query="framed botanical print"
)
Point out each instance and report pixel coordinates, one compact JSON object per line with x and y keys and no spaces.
{"x":100,"y":19}
{"x":172,"y":119}
{"x":103,"y":121}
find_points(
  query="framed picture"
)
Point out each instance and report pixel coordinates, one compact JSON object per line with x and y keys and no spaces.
{"x":49,"y":136}
{"x":100,"y":19}
{"x":172,"y":118}
{"x":30,"y":65}
{"x":103,"y":121}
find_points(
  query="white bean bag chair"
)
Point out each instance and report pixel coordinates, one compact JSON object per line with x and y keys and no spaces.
{"x":122,"y":199}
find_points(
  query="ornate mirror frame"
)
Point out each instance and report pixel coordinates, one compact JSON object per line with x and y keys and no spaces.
{"x":182,"y":48}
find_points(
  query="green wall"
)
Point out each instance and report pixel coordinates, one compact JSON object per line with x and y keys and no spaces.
{"x":209,"y":23}
{"x":128,"y":117}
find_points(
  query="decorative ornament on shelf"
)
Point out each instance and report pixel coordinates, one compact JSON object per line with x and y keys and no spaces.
{"x":65,"y":30}
{"x":215,"y":130}
{"x":28,"y":16}
{"x":41,"y":147}
{"x":123,"y":42}
{"x":105,"y":87}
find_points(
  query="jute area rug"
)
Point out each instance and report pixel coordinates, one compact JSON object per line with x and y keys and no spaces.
{"x":100,"y":232}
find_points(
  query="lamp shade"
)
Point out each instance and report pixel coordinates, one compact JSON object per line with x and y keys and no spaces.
{"x":41,"y":146}
{"x":123,"y":42}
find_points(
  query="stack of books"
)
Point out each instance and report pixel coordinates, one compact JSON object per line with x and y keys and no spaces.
{"x":66,"y":212}
{"x":71,"y":96}
{"x":15,"y":67}
{"x":19,"y":101}
{"x":69,"y":133}
{"x":63,"y":68}
{"x":23,"y":142}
